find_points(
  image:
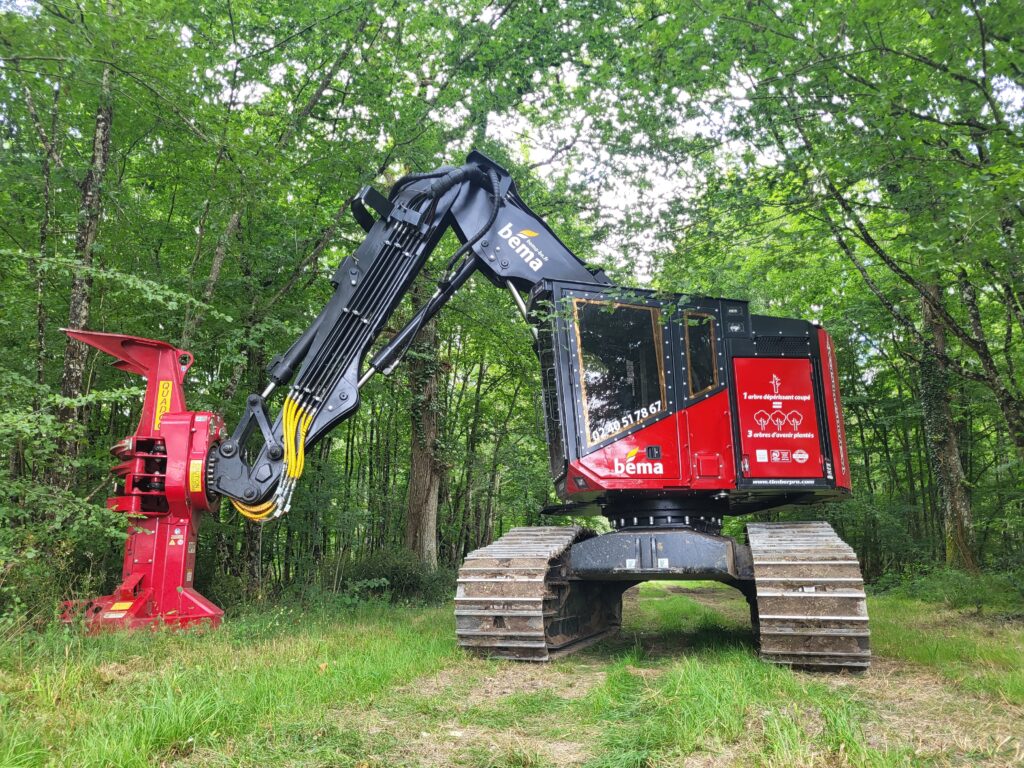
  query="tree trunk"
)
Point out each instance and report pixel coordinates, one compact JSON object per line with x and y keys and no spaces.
{"x":253,"y":554}
{"x":424,"y":468}
{"x":193,"y":316}
{"x":85,"y":237}
{"x":943,"y":446}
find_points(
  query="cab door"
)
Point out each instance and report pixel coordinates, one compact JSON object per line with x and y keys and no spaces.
{"x":620,"y":368}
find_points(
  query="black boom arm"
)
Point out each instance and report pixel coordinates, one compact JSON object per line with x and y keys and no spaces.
{"x":501,"y":237}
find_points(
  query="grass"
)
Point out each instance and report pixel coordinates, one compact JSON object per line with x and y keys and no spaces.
{"x":381,"y":685}
{"x":257,"y":689}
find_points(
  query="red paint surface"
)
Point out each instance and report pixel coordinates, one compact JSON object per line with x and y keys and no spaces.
{"x":834,"y":410}
{"x":708,"y":429}
{"x":778,"y":420}
{"x":624,"y":464}
{"x":698,"y":437}
{"x":164,"y":490}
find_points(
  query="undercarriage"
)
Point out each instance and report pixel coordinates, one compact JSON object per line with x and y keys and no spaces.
{"x":539,"y":593}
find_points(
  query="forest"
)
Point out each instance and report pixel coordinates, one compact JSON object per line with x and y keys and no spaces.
{"x":183,"y":172}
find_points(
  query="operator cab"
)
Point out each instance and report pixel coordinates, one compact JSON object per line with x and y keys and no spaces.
{"x":666,"y":407}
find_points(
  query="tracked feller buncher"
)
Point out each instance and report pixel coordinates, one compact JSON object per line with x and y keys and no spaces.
{"x":664,"y":414}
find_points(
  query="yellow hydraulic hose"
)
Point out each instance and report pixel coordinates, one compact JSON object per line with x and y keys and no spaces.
{"x":295,"y":423}
{"x":257,"y":513}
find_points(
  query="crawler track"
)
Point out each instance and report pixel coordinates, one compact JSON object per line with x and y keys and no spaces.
{"x":811,"y":608}
{"x":515,"y":601}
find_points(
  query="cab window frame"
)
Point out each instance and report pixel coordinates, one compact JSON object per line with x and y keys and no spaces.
{"x":658,"y":329}
{"x":713,"y":346}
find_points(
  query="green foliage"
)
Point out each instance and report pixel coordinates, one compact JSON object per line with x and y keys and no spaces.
{"x":997,"y":593}
{"x":822,"y":162}
{"x":47,"y":527}
{"x":401,"y":575}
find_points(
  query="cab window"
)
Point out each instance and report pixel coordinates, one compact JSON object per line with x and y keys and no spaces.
{"x":622,"y":379}
{"x":701,"y":367}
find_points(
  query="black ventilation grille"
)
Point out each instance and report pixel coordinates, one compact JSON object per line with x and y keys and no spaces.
{"x":783,"y":346}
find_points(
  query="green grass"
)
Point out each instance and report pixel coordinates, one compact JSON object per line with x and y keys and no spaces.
{"x":381,"y":685}
{"x":260,"y":687}
{"x":978,"y":654}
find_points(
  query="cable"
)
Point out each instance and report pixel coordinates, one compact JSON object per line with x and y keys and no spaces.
{"x":492,"y":178}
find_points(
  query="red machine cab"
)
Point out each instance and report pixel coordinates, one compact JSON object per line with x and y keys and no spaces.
{"x":690,"y":400}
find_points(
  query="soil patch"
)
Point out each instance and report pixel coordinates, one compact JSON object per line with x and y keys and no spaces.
{"x":474,"y":682}
{"x":445,"y":746}
{"x":933,"y":715}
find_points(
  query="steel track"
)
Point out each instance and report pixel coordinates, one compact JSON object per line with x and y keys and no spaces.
{"x":811,"y":607}
{"x":515,"y":601}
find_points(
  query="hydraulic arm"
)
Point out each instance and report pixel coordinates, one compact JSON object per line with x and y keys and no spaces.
{"x":258,"y":466}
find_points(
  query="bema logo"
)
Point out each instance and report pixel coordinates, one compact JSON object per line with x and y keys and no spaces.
{"x":520,"y":243}
{"x":633,"y":467}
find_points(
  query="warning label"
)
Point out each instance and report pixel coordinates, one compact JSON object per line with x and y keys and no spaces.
{"x":778,"y":419}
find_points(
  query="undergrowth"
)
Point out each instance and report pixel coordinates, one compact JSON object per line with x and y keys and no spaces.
{"x":997,"y":593}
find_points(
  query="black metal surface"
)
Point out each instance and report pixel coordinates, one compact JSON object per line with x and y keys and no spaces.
{"x":697,"y":512}
{"x":639,"y":555}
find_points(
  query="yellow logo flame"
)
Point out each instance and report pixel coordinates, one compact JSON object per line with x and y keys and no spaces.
{"x":632,"y":454}
{"x":527,"y":233}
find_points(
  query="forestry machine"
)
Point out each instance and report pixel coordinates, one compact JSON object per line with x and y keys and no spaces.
{"x":664,"y":413}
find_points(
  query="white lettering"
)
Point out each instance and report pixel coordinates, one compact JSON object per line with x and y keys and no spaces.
{"x":639,"y":468}
{"x":524,"y":249}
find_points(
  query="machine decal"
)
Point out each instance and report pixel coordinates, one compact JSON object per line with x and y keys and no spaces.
{"x":647,"y":459}
{"x":836,"y":427}
{"x":627,"y":420}
{"x":524,"y":248}
{"x":195,"y":475}
{"x":633,"y":467}
{"x":163,"y":401}
{"x":777,"y":418}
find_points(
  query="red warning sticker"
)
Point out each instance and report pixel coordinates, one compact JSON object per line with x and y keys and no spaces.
{"x":778,"y":419}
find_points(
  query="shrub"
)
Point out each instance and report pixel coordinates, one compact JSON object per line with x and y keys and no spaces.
{"x":957,"y":589}
{"x":405,"y":575}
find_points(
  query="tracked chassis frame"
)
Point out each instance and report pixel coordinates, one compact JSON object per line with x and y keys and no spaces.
{"x":538,"y":593}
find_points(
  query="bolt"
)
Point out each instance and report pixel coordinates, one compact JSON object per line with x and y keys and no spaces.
{"x":504,"y":262}
{"x":249,"y":493}
{"x":254,"y":400}
{"x":228,"y":449}
{"x":275,"y":452}
{"x":343,"y":395}
{"x":485,"y":243}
